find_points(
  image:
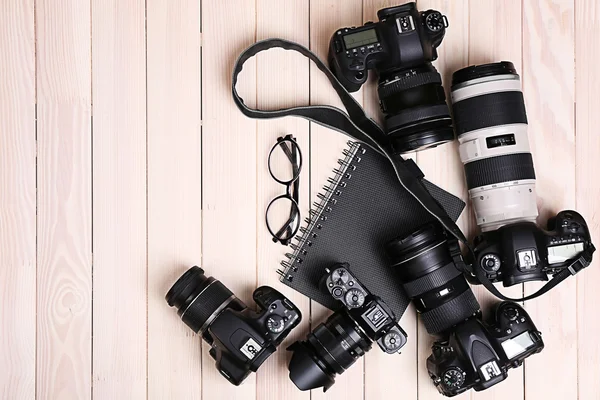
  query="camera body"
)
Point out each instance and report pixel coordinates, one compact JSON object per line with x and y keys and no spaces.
{"x":522,"y":251}
{"x":478,"y":355}
{"x":333,"y":346}
{"x":241,"y":339}
{"x":403,"y":38}
{"x":375,"y":318}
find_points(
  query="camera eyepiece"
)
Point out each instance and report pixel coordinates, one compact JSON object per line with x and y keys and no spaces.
{"x":431,"y":278}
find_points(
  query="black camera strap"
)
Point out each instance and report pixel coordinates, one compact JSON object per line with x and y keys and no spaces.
{"x":582,"y":262}
{"x":358,"y":126}
{"x":354,"y":124}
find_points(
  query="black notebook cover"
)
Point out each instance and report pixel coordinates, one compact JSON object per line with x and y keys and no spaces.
{"x":362,"y":207}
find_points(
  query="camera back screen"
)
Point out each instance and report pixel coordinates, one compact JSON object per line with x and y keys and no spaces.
{"x":361,"y":38}
{"x":517,"y":345}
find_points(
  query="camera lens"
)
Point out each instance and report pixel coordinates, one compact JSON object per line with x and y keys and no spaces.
{"x":491,"y":124}
{"x":329,"y":350}
{"x":431,"y":279}
{"x":416,"y":114}
{"x":199,"y":299}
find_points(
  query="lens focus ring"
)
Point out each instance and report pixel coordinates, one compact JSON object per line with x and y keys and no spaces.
{"x":449,"y":314}
{"x":493,"y":170}
{"x":209,"y":301}
{"x":489,"y":110}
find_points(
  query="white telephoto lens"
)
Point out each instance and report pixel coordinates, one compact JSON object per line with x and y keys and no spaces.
{"x":491,"y":124}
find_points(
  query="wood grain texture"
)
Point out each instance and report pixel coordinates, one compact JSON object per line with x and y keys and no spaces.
{"x":282,"y":79}
{"x":64,"y":223}
{"x":548,"y":87}
{"x":119,"y":199}
{"x":587,"y":55}
{"x":174,"y":191}
{"x":17,"y":201}
{"x":495,"y":34}
{"x":229,"y":169}
{"x":325,"y":149}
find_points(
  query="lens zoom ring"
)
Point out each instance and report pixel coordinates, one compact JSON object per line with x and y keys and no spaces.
{"x":449,"y":314}
{"x":487,"y":110}
{"x":205,"y":305}
{"x":431,"y":281}
{"x":408,"y":82}
{"x":413,"y":115}
{"x":492,"y":170}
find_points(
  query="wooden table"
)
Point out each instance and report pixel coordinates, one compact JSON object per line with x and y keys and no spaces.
{"x":123,"y":161}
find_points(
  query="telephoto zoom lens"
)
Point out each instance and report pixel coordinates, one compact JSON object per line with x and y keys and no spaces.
{"x":329,"y":350}
{"x":416,"y":114}
{"x":491,"y":124}
{"x":431,"y":279}
{"x":199,"y":299}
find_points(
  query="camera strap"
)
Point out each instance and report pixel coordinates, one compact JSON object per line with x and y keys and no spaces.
{"x":354,"y":124}
{"x":582,"y":262}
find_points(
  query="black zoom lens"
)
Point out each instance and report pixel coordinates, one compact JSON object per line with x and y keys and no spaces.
{"x":431,"y":279}
{"x":329,"y":350}
{"x":416,"y":114}
{"x":200,"y":298}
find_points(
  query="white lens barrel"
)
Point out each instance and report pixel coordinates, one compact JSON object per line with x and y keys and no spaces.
{"x":491,"y":124}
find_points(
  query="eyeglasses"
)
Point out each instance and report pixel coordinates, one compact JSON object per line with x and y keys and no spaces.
{"x":283,"y":214}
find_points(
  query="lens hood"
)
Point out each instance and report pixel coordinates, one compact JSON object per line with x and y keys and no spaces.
{"x":305,"y":369}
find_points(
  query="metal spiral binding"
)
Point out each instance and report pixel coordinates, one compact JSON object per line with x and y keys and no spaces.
{"x":317,"y":214}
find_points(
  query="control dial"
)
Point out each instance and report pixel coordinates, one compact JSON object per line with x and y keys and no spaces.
{"x":434,"y":21}
{"x":355,"y":298}
{"x":275,"y":324}
{"x":511,"y":313}
{"x":392,"y":341}
{"x":340,"y":277}
{"x":453,"y":378}
{"x":490,"y":263}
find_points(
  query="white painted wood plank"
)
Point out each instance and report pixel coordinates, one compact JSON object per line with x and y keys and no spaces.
{"x":587,"y":57}
{"x":282,"y":79}
{"x":64,"y":176}
{"x":17,"y":201}
{"x":119,"y":199}
{"x":229,"y":169}
{"x":548,"y":80}
{"x":174,"y":191}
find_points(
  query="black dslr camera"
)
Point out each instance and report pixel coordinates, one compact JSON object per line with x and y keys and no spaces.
{"x":346,"y":335}
{"x":475,"y":355}
{"x":478,"y":355}
{"x":523,"y":252}
{"x":400,"y":47}
{"x":240,"y":339}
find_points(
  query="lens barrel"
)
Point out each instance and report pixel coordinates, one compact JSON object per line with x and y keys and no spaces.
{"x":491,"y":124}
{"x":329,"y":350}
{"x":431,"y":279}
{"x":416,"y":114}
{"x":199,"y":299}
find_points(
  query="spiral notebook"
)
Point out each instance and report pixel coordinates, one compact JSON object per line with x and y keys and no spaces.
{"x":362,"y":207}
